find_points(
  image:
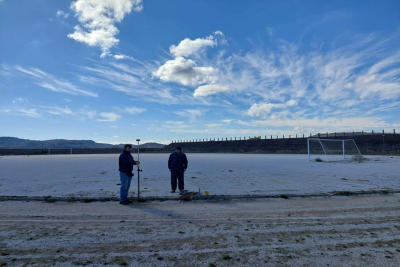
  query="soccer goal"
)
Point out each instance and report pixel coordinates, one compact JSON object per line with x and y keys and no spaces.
{"x":332,"y":149}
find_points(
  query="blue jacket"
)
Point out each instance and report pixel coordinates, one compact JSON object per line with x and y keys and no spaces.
{"x":177,"y":162}
{"x":126,"y":162}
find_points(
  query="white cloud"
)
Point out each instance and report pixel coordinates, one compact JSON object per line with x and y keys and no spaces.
{"x":227,"y":121}
{"x":61,"y":13}
{"x":210,"y":89}
{"x":291,"y":103}
{"x":263,"y":109}
{"x":109,"y":116}
{"x":20,"y":99}
{"x":186,"y":72}
{"x":98,"y":18}
{"x":134,"y":110}
{"x":122,"y":57}
{"x":188,"y":47}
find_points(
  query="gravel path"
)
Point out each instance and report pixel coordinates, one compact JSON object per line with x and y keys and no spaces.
{"x":336,"y":231}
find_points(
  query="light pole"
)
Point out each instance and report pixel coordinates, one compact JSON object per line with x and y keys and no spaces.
{"x":383,"y":141}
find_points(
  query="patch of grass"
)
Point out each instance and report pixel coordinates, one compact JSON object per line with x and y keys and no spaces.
{"x":212,"y":265}
{"x":82,"y":263}
{"x":343,"y":193}
{"x":104,"y":172}
{"x":284,"y":196}
{"x":120,"y":261}
{"x":226,"y":257}
{"x":88,"y":200}
{"x":359,"y":158}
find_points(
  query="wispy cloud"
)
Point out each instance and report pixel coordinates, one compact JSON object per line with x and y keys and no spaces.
{"x":21,"y":112}
{"x":108,"y":116}
{"x":47,"y":81}
{"x":131,"y":110}
{"x":190,"y":113}
{"x":97,"y":21}
{"x":136,"y":80}
{"x":79,"y":114}
{"x":287,"y":85}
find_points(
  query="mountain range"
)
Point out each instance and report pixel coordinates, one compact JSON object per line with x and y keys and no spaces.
{"x":17,"y":143}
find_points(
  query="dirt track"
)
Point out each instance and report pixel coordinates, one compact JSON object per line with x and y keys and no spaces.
{"x":347,"y":231}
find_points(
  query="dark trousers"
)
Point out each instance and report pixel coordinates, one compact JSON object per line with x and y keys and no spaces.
{"x":177,"y":176}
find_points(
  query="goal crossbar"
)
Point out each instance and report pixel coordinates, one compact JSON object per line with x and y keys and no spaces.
{"x":332,"y":140}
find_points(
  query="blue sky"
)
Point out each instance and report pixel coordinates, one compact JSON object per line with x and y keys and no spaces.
{"x":115,"y":71}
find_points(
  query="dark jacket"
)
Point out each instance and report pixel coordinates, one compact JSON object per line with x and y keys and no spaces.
{"x":177,"y":162}
{"x":126,"y":163}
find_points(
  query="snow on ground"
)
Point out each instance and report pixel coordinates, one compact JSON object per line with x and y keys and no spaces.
{"x":219,"y":174}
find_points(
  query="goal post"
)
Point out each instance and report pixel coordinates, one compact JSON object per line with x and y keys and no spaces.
{"x":332,"y":147}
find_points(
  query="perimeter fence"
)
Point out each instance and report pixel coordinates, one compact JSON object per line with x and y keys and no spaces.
{"x":271,"y":137}
{"x":369,"y":143}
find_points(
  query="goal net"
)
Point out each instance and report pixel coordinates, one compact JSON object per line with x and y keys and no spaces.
{"x":331,"y":149}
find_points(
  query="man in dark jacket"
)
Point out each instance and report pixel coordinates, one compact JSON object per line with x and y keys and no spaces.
{"x":126,"y":163}
{"x":177,"y":165}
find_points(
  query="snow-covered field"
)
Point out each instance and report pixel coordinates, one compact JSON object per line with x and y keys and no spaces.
{"x":353,"y":231}
{"x":219,"y":174}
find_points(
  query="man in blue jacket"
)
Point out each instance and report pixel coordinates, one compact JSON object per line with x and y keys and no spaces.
{"x":177,"y":165}
{"x":126,"y":163}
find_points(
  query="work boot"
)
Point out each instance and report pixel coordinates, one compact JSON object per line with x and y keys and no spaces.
{"x":181,"y":192}
{"x":172,"y":191}
{"x":125,"y":202}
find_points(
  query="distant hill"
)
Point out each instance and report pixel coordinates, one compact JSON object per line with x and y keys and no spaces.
{"x":151,"y":145}
{"x":17,"y":143}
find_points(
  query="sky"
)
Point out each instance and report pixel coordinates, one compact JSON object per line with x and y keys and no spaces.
{"x":114,"y":71}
